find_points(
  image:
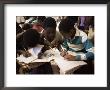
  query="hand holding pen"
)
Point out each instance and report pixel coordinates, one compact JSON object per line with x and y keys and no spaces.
{"x":63,"y":51}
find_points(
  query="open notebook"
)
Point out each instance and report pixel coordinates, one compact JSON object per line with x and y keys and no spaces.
{"x":52,"y":54}
{"x":34,"y":58}
{"x":65,"y":65}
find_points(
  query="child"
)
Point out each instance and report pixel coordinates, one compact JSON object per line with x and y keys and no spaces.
{"x":51,"y":37}
{"x":75,"y":41}
{"x":31,"y":39}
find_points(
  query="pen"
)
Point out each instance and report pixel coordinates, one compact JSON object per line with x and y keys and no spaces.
{"x":49,"y":46}
{"x":66,"y":51}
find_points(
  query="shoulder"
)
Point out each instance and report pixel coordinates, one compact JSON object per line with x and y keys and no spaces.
{"x":82,"y":34}
{"x":58,"y":34}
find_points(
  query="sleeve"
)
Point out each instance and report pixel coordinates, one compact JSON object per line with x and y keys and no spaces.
{"x":59,"y":37}
{"x":89,"y":55}
{"x":88,"y":47}
{"x":65,"y":45}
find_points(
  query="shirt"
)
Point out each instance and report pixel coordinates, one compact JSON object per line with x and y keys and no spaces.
{"x":58,"y":38}
{"x":79,"y":43}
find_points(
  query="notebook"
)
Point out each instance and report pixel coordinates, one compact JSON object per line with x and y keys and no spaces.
{"x":53,"y":54}
{"x":34,"y":58}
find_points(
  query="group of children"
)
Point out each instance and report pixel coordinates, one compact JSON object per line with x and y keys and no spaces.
{"x":70,"y":37}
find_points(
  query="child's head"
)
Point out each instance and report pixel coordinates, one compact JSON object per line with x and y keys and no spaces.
{"x":73,"y":18}
{"x":66,"y":28}
{"x":26,"y":26}
{"x":49,"y":26}
{"x":41,"y":19}
{"x":31,"y":38}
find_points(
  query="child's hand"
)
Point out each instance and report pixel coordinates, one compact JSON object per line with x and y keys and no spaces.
{"x":69,"y":57}
{"x":26,"y":54}
{"x":46,"y":47}
{"x":40,"y":55}
{"x":63,"y":53}
{"x":54,"y":45}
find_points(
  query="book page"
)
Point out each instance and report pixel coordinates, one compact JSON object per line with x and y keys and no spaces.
{"x":62,"y":63}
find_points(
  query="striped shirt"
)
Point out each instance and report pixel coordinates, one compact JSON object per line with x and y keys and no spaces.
{"x":79,"y":46}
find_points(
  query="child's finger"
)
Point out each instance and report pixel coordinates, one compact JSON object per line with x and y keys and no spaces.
{"x":62,"y":53}
{"x":66,"y":57}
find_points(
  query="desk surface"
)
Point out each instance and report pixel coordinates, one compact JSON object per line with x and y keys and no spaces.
{"x":54,"y":54}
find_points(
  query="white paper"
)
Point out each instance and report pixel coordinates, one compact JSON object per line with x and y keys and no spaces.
{"x":21,"y":58}
{"x":36,"y":50}
{"x":62,"y":63}
{"x":66,"y":66}
{"x":52,"y":54}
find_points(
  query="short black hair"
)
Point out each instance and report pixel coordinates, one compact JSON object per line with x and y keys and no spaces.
{"x":41,"y":18}
{"x":49,"y":22}
{"x":26,"y":26}
{"x":31,"y":38}
{"x":74,"y":18}
{"x":66,"y":25}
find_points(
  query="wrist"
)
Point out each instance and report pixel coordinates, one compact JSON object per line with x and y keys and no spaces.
{"x":78,"y":57}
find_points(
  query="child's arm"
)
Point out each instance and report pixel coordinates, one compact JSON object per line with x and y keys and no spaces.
{"x":70,"y":57}
{"x":88,"y":47}
{"x":89,"y":55}
{"x":46,"y":47}
{"x":63,"y":48}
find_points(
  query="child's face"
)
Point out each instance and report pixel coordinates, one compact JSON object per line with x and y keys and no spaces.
{"x":50,"y":33}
